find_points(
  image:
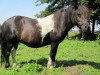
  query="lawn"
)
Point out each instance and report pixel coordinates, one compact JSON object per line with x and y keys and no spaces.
{"x":74,"y":57}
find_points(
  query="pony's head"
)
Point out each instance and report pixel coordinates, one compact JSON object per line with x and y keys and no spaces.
{"x":74,"y":15}
{"x":82,"y":18}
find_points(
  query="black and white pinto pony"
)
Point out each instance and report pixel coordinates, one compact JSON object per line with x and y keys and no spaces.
{"x":36,"y":33}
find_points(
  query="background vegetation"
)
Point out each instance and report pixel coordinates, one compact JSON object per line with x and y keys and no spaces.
{"x":54,"y":5}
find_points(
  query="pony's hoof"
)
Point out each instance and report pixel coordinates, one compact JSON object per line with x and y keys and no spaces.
{"x":51,"y":65}
{"x":15,"y":65}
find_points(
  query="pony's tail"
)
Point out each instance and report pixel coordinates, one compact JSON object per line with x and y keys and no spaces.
{"x":2,"y":57}
{"x":2,"y":47}
{"x":0,"y":43}
{"x":2,"y":53}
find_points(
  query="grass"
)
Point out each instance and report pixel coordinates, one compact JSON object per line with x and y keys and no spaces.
{"x":73,"y":58}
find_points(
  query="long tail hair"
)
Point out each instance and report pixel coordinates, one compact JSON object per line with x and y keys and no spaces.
{"x":2,"y":52}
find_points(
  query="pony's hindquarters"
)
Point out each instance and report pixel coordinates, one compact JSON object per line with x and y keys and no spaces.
{"x":8,"y":40}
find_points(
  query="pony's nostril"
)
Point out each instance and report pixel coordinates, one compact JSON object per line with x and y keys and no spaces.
{"x":85,"y":26}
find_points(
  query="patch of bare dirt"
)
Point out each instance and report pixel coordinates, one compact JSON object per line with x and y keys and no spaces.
{"x":73,"y":70}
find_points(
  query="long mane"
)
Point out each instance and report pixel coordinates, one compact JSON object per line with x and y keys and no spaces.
{"x":66,"y":16}
{"x":62,"y":17}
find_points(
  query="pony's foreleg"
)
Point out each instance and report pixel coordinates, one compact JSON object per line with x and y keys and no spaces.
{"x":51,"y":61}
{"x":13,"y":53}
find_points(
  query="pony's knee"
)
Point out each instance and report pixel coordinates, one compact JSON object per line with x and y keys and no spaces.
{"x":13,"y":53}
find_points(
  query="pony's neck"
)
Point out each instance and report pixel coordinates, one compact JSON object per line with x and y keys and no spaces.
{"x":70,"y":18}
{"x":63,"y":21}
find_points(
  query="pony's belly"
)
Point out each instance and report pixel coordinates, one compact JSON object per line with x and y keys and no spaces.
{"x":32,"y":43}
{"x":36,"y":44}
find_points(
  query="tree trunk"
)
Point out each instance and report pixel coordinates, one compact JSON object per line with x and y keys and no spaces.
{"x":93,"y":25}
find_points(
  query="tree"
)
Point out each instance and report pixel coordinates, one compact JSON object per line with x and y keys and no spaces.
{"x":52,"y":7}
{"x":94,"y":5}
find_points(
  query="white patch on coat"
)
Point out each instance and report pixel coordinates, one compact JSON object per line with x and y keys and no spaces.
{"x":46,"y":24}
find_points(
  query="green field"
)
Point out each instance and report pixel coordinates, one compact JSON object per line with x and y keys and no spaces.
{"x":73,"y":58}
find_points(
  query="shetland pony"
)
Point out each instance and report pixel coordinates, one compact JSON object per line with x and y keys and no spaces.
{"x":36,"y":33}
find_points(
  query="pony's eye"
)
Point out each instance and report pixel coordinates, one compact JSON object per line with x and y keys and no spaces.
{"x":79,"y":15}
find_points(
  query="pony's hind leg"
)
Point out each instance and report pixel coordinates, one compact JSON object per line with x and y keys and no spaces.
{"x":51,"y":61}
{"x":7,"y":54}
{"x":13,"y":53}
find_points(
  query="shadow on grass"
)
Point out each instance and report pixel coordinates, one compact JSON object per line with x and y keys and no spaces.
{"x":64,"y":63}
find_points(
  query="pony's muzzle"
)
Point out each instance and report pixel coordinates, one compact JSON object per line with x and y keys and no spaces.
{"x":85,"y":28}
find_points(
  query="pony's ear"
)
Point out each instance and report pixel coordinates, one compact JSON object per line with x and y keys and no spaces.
{"x":75,"y":4}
